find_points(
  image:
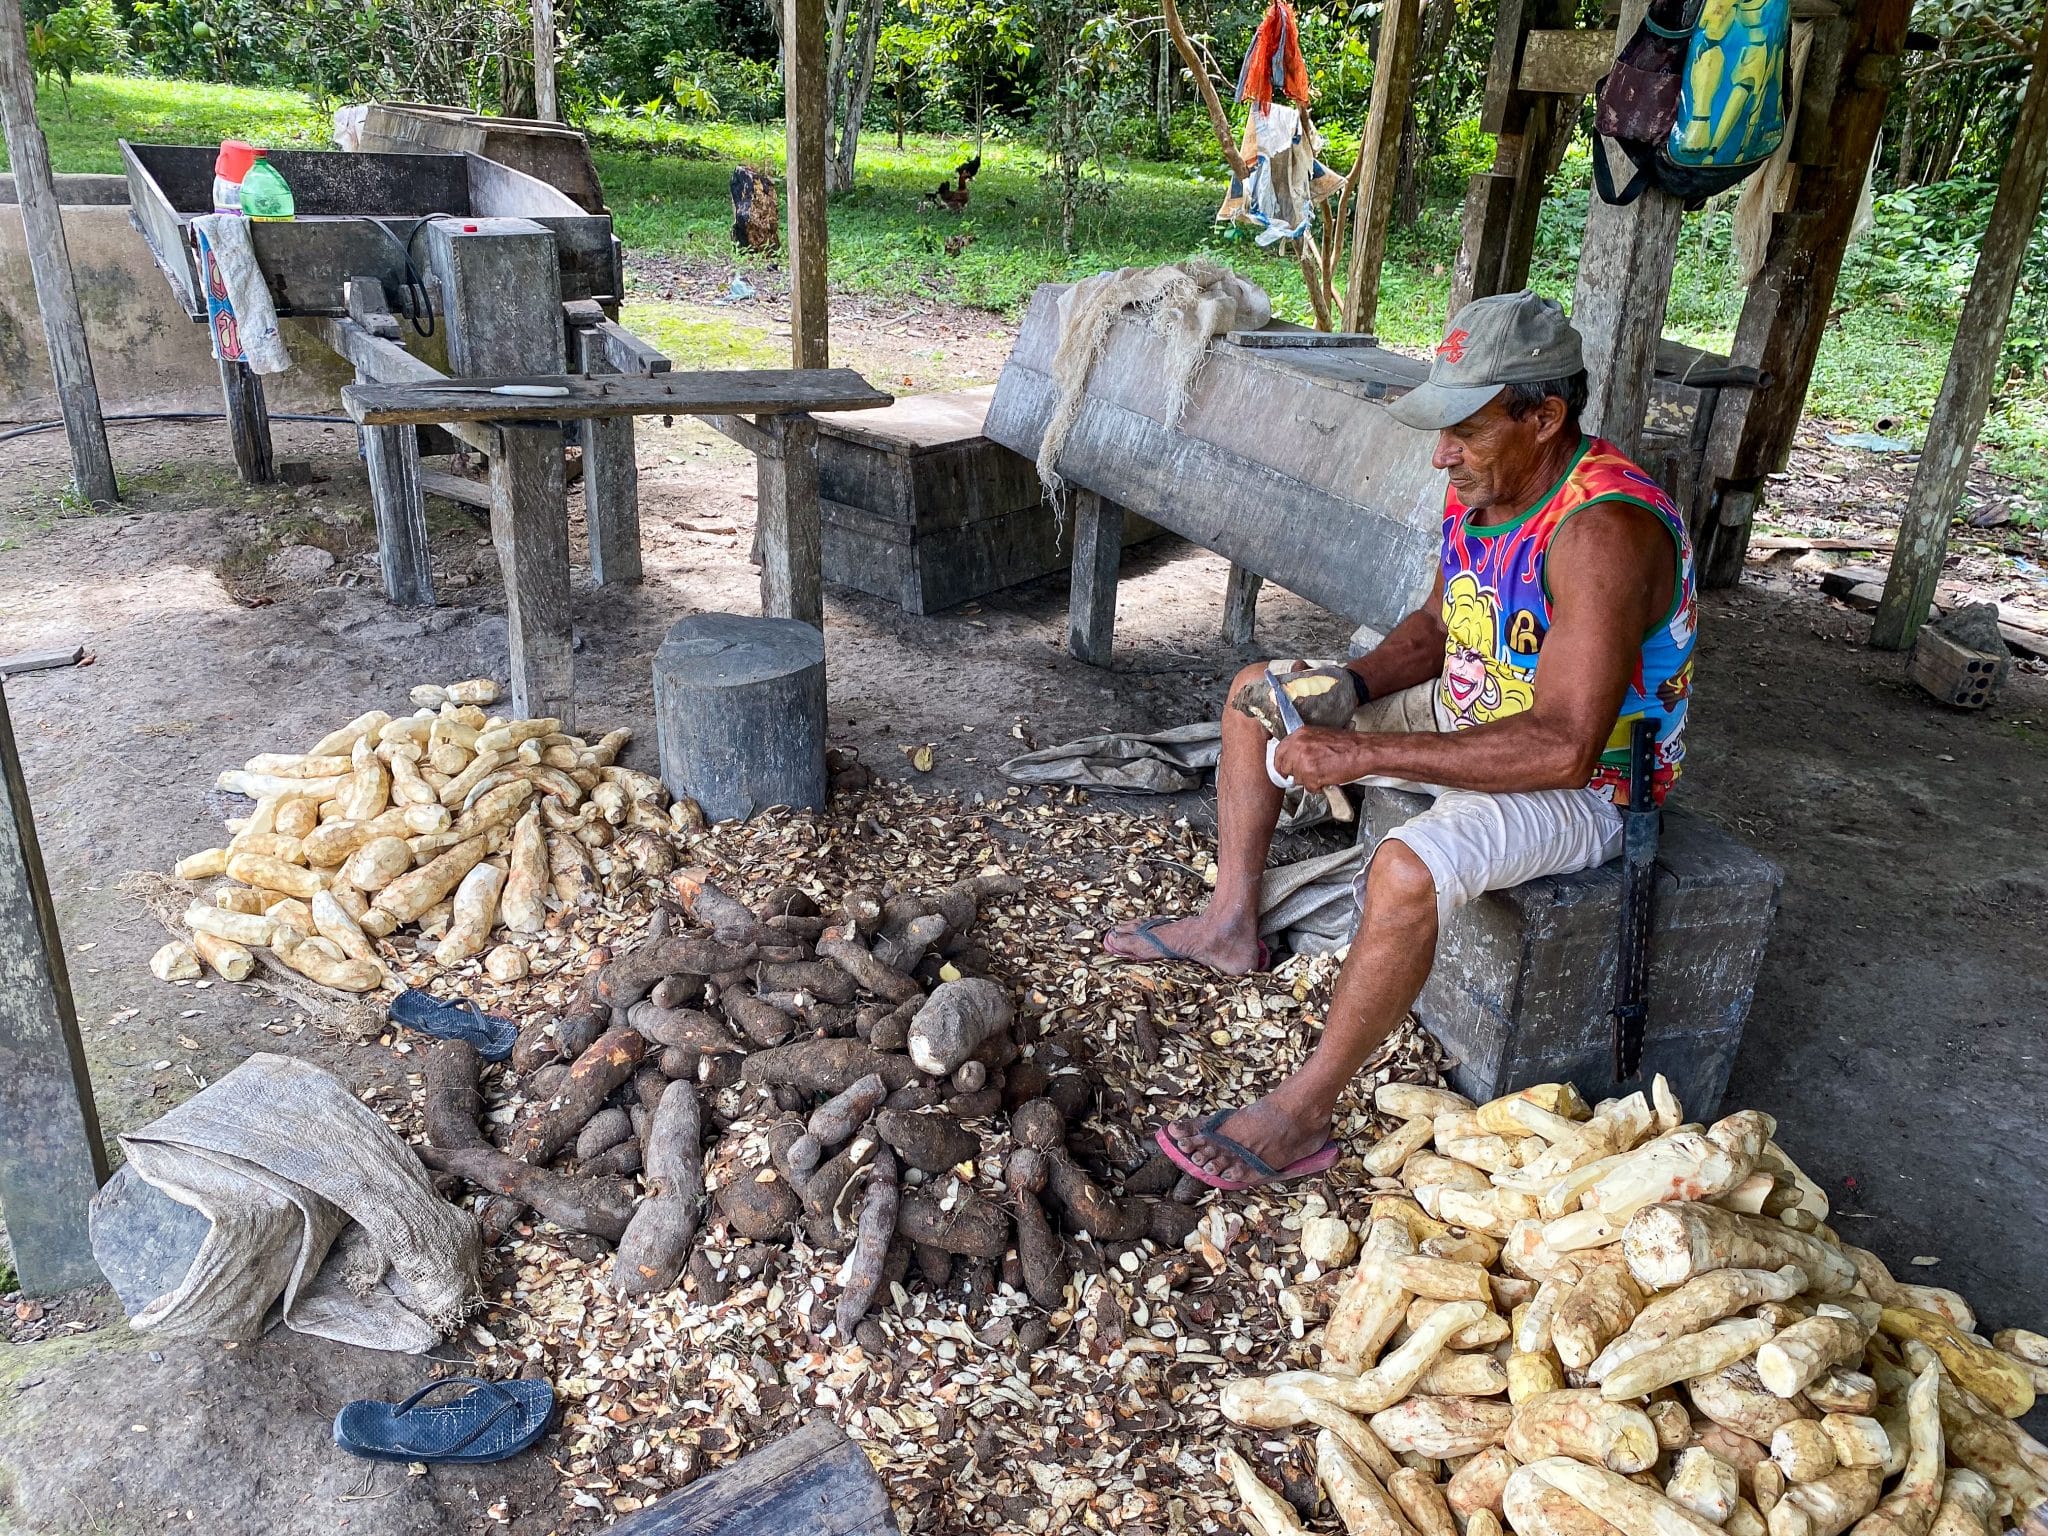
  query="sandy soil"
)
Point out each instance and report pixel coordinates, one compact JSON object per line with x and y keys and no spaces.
{"x":1896,"y":1030}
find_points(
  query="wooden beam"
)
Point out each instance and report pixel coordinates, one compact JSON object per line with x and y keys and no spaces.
{"x":571,"y":397}
{"x":49,"y":262}
{"x":386,"y":362}
{"x":1624,"y":284}
{"x":1091,"y":590}
{"x":456,"y":488}
{"x":51,"y":1158}
{"x":1974,"y":368}
{"x":1565,"y":63}
{"x":815,"y":1482}
{"x":803,"y":94}
{"x":611,"y":478}
{"x":746,"y":434}
{"x":790,"y":522}
{"x":41,"y":661}
{"x":530,"y":531}
{"x":391,"y":455}
{"x":627,"y":353}
{"x":545,"y":104}
{"x":1380,"y":151}
{"x":1850,"y":74}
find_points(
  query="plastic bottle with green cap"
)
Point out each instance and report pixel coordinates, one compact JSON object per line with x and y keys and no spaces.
{"x":265,"y":194}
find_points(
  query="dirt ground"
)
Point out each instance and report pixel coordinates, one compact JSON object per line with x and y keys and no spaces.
{"x":1897,"y":1029}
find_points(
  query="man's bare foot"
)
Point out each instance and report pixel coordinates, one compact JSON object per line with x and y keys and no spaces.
{"x":1234,"y":952}
{"x":1277,"y":1135}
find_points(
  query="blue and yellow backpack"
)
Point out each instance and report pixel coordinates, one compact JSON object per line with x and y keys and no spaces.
{"x":1697,"y":98}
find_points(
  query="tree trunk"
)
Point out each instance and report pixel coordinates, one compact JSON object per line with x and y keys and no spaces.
{"x":515,"y":86}
{"x":860,"y":80}
{"x":1162,"y":101}
{"x":902,"y":74}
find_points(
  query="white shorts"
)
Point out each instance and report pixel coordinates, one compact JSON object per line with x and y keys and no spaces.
{"x":1471,"y":841}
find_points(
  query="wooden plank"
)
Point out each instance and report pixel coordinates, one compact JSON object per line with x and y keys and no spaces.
{"x":803,"y":94}
{"x":742,"y":431}
{"x":41,"y":661}
{"x":51,"y":1158}
{"x":1499,"y":108}
{"x":815,"y":1482}
{"x":715,"y":392}
{"x":1241,"y":605}
{"x":611,"y":479}
{"x":248,"y":423}
{"x":1786,"y":312}
{"x":1974,"y":368}
{"x":790,"y":522}
{"x":1566,"y":63}
{"x":1091,"y":601}
{"x":386,"y":362}
{"x":1546,"y":127}
{"x":627,"y":353}
{"x":456,"y":488}
{"x":1483,"y":237}
{"x":1380,"y":150}
{"x":49,"y":260}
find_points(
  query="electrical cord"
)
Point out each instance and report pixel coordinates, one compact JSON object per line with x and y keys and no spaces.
{"x":52,"y":426}
{"x":414,"y":301}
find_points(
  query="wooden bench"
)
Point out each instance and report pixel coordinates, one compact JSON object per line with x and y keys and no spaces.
{"x":1524,"y":977}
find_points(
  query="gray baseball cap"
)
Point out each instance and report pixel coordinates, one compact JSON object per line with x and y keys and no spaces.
{"x":1506,"y":338}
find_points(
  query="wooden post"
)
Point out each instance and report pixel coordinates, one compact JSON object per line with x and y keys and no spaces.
{"x":1850,"y":72}
{"x":1091,"y":600}
{"x":1973,"y":368}
{"x":803,"y":95}
{"x":1241,"y":605}
{"x":611,"y":478}
{"x":1624,"y":284}
{"x":391,"y":455}
{"x":790,"y":521}
{"x":49,"y":260}
{"x":51,"y":1159}
{"x":545,"y":104}
{"x":502,"y":297}
{"x":241,"y":391}
{"x":1380,"y":151}
{"x":739,"y":712}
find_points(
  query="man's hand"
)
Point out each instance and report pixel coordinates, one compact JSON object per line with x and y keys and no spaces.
{"x":1317,"y":757}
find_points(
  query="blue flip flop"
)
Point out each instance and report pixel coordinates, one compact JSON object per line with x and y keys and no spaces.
{"x":492,"y":1036}
{"x":1146,"y":929}
{"x":496,"y":1420}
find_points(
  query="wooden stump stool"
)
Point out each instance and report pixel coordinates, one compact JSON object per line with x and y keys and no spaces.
{"x":739,"y":705}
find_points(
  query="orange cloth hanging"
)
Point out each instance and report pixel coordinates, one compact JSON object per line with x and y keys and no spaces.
{"x":1274,"y":62}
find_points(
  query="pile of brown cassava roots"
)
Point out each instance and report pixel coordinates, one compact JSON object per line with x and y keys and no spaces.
{"x":1613,"y":1323}
{"x":890,"y":1067}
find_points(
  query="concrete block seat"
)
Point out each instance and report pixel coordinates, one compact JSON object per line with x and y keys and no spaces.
{"x":1524,"y":977}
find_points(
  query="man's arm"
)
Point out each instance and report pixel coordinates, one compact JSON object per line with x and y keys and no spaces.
{"x":1611,"y":573}
{"x":1413,"y":651}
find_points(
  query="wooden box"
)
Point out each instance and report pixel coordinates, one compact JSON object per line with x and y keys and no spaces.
{"x":922,"y":509}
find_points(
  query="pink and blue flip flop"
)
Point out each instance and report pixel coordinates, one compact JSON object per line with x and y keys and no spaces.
{"x":1321,"y":1160}
{"x":1147,"y":929}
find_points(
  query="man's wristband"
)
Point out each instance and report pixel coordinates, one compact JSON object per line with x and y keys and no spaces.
{"x":1360,"y":687}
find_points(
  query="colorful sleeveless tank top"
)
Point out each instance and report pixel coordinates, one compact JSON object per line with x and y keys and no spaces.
{"x":1497,"y":611}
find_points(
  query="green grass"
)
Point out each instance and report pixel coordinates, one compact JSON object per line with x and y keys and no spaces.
{"x":83,"y":124}
{"x":667,"y":184}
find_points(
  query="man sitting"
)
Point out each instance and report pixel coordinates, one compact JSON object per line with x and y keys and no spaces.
{"x":1562,"y":613}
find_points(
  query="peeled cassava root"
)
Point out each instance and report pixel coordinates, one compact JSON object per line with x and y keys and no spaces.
{"x":391,"y":817}
{"x":1687,"y":1347}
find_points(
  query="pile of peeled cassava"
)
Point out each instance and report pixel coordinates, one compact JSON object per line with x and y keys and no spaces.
{"x":1614,"y":1323}
{"x":835,"y":1074}
{"x":448,"y":822}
